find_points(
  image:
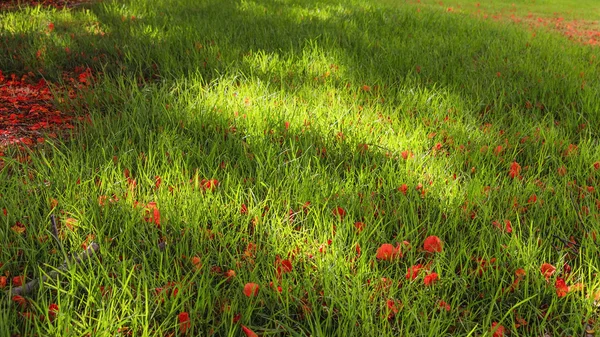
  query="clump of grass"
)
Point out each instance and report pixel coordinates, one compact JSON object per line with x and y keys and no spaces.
{"x":224,"y":139}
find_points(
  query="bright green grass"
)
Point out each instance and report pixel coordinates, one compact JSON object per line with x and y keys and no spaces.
{"x":222,"y":80}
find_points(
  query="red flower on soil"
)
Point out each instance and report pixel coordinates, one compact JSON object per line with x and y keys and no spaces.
{"x":497,"y":330}
{"x":339,"y":212}
{"x":431,"y":279}
{"x":561,"y":287}
{"x":388,"y":252}
{"x":251,"y":290}
{"x":248,"y":332}
{"x":515,"y":170}
{"x":547,"y":270}
{"x":184,"y":322}
{"x":433,"y":244}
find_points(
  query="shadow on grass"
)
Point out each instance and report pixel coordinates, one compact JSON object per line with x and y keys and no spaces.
{"x":374,"y":46}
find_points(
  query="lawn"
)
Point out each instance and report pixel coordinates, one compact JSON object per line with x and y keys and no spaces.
{"x":299,"y":167}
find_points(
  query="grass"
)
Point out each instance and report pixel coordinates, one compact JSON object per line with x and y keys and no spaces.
{"x":297,"y":108}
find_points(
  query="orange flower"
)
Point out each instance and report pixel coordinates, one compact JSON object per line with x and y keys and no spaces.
{"x":2,"y":282}
{"x":561,"y":287}
{"x":359,"y":226}
{"x":197,"y":262}
{"x":444,"y":305}
{"x":152,"y":214}
{"x":515,"y":170}
{"x":562,"y":171}
{"x":388,"y":252}
{"x":20,"y":300}
{"x":431,"y":279}
{"x":251,"y":290}
{"x":508,"y":226}
{"x":339,"y":212}
{"x":547,"y":270}
{"x":52,"y":311}
{"x":184,"y":322}
{"x":497,"y":330}
{"x":433,"y":244}
{"x":230,"y":274}
{"x":209,"y":184}
{"x":248,"y":332}
{"x":413,"y":272}
{"x":18,"y":281}
{"x":392,"y":307}
{"x":403,"y":188}
{"x":244,"y":209}
{"x":284,"y":266}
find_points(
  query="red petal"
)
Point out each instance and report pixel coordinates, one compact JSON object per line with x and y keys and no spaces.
{"x":248,"y":332}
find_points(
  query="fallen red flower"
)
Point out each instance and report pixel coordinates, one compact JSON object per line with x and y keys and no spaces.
{"x":497,"y":330}
{"x":413,"y":272}
{"x":431,"y":279}
{"x":388,"y":252}
{"x":248,"y":332}
{"x":251,"y":290}
{"x":547,"y":270}
{"x":184,"y":322}
{"x":433,"y":244}
{"x":561,"y":287}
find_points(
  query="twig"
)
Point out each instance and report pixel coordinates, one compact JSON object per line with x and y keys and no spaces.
{"x":33,"y":284}
{"x":55,"y":230}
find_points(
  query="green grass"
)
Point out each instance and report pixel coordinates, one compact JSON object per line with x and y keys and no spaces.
{"x":276,"y":100}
